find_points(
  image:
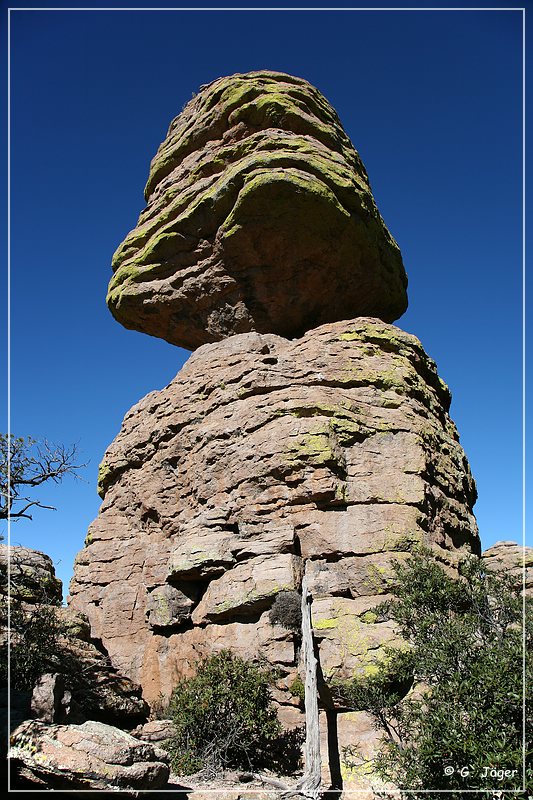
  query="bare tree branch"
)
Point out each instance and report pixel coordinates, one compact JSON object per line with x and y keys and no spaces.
{"x":21,"y":512}
{"x":24,"y":462}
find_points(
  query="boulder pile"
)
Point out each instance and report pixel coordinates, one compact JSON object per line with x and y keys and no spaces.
{"x":60,"y":732}
{"x":91,"y":756}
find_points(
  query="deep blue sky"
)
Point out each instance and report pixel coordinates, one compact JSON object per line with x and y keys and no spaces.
{"x":432,"y":102}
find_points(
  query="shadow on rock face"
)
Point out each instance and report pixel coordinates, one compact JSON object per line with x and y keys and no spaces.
{"x":260,"y":217}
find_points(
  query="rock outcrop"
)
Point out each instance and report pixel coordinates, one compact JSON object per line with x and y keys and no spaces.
{"x":259,"y":218}
{"x":98,"y":690}
{"x":92,"y":756}
{"x":514,"y":560}
{"x":81,"y":682}
{"x":333,"y":453}
{"x":32,"y":576}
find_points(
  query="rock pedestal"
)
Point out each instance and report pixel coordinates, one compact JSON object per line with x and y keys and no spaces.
{"x":335,"y":449}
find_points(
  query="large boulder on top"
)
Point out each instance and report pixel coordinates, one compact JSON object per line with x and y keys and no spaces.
{"x":260,"y":218}
{"x":333,"y":453}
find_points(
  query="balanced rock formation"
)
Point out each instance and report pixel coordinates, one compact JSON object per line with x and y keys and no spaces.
{"x":259,"y":218}
{"x":263,"y":458}
{"x":306,"y":438}
{"x":92,"y":756}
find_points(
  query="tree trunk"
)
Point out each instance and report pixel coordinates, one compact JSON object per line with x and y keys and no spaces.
{"x":309,"y":785}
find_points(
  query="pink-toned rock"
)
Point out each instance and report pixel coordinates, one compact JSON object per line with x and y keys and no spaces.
{"x":92,"y":756}
{"x":514,"y":560}
{"x":259,"y":217}
{"x":333,"y":452}
{"x":156,"y":730}
{"x":167,"y":606}
{"x":249,"y":586}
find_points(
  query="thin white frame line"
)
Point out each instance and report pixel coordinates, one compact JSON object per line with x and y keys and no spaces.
{"x":277,"y":8}
{"x":524,"y":396}
{"x":8,"y":732}
{"x":267,"y":8}
{"x":242,"y":788}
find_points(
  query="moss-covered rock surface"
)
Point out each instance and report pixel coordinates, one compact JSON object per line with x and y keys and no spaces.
{"x":259,"y":217}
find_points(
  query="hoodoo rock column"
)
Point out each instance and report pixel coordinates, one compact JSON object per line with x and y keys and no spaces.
{"x":306,"y":433}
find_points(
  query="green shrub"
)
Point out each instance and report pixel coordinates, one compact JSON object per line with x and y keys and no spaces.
{"x":461,"y":727}
{"x":297,"y":688}
{"x":224,"y":717}
{"x":35,"y":633}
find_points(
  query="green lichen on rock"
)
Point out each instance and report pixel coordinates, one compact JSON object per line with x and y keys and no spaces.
{"x":103,"y":479}
{"x":405,"y":542}
{"x":326,"y":624}
{"x":369,"y":617}
{"x":316,"y":448}
{"x":257,"y":188}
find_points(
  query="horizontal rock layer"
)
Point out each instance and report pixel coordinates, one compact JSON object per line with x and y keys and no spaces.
{"x":334,"y":453}
{"x":260,"y":217}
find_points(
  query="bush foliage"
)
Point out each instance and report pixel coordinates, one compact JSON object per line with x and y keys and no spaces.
{"x":224,"y":717}
{"x":35,"y":634}
{"x":461,"y":726}
{"x":287,"y":611}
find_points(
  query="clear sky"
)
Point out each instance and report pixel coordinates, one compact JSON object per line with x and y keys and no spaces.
{"x":432,"y":100}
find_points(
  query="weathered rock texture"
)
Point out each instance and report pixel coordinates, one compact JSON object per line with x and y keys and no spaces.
{"x":259,"y":218}
{"x":514,"y":560}
{"x":334,"y":453}
{"x":32,"y":576}
{"x":96,"y":688}
{"x":83,"y":683}
{"x":155,"y":731}
{"x":89,"y":756}
{"x":51,"y":701}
